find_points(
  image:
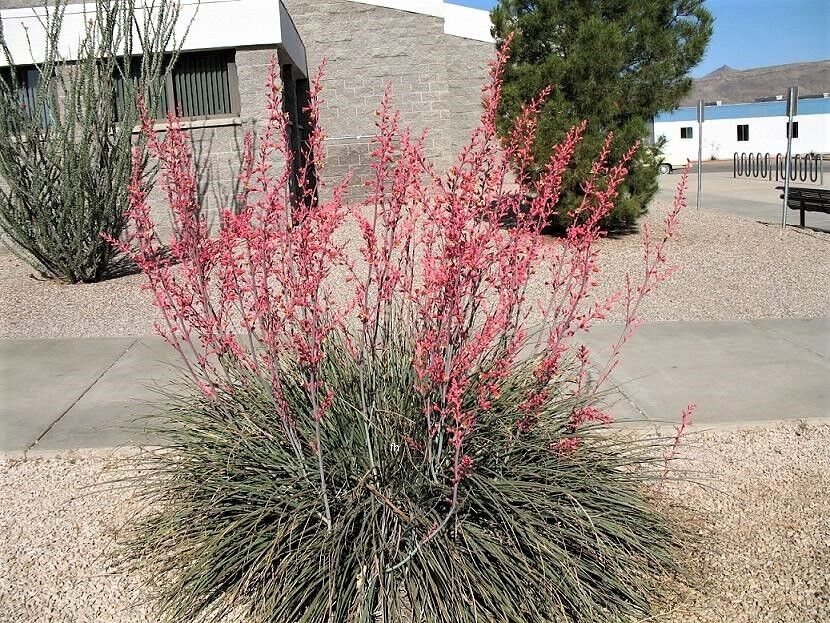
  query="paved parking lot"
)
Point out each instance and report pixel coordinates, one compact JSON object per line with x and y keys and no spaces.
{"x":747,"y":197}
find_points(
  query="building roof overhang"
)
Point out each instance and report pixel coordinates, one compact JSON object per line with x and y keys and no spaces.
{"x":202,"y":25}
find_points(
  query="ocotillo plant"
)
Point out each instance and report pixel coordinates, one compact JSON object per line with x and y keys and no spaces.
{"x":384,"y":422}
{"x":66,"y":143}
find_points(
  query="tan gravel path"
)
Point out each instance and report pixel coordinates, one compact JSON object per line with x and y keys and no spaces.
{"x":764,"y":518}
{"x":57,"y":524}
{"x":36,"y":308}
{"x":732,"y":268}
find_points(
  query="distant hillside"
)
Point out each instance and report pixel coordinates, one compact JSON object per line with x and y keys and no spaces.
{"x":733,"y":86}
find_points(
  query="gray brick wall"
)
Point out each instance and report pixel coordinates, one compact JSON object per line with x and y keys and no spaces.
{"x":468,"y":65}
{"x":436,"y":78}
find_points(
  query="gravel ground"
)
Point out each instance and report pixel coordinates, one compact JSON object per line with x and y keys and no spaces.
{"x":57,"y":527}
{"x":732,"y":268}
{"x":763,"y":520}
{"x":763,"y":515}
{"x":38,"y":308}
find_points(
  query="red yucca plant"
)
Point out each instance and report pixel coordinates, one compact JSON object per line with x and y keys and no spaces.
{"x":389,"y":421}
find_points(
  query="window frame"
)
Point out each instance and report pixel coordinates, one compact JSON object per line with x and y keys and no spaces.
{"x":687,"y":132}
{"x":19,"y":81}
{"x":173,"y":107}
{"x":795,"y":129}
{"x":233,"y":87}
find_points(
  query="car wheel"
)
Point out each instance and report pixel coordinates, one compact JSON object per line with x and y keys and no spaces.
{"x":664,"y":168}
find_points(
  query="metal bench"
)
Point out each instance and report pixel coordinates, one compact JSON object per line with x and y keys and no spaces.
{"x":807,"y":200}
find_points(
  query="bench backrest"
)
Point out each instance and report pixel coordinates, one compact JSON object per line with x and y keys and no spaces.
{"x":813,"y":199}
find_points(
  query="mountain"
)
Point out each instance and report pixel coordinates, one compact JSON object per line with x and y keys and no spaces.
{"x":723,"y":69}
{"x":733,"y":86}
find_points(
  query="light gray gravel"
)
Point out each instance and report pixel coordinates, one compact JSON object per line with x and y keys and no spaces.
{"x":763,"y":524}
{"x":763,"y":517}
{"x":57,"y":523}
{"x":37,"y":308}
{"x":732,"y":268}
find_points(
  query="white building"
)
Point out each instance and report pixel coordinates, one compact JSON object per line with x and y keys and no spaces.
{"x":758,"y":127}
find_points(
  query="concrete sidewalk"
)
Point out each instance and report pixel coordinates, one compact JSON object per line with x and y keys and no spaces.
{"x":66,"y":394}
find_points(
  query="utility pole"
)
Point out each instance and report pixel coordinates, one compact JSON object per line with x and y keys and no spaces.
{"x":699,"y":148}
{"x":792,"y":111}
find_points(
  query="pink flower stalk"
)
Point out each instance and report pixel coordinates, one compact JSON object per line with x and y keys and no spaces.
{"x":680,"y":431}
{"x":262,"y":277}
{"x":566,"y":446}
{"x":433,"y":263}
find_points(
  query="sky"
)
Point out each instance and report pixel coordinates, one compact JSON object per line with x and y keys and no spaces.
{"x":756,"y":33}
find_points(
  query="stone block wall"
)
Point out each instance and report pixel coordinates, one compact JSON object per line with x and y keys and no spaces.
{"x":468,"y":66}
{"x":218,"y":148}
{"x":436,"y":78}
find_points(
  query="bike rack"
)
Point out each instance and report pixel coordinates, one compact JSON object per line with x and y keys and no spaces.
{"x":803,"y":167}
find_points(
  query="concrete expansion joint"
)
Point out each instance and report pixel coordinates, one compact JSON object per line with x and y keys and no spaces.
{"x":593,"y":373}
{"x":630,"y":401}
{"x":78,"y":399}
{"x":780,"y":334}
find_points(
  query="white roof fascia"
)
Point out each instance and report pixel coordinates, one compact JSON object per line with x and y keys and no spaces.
{"x":466,"y":22}
{"x":220,"y":24}
{"x":202,"y":25}
{"x":459,"y":21}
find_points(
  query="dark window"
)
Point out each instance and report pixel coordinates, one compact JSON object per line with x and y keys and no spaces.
{"x":121,"y":95}
{"x":743,"y":132}
{"x":27,"y":80}
{"x":201,"y":85}
{"x":686,"y":132}
{"x":295,"y":103}
{"x":795,"y":128}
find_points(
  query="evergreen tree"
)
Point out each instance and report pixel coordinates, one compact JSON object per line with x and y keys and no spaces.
{"x":615,"y":63}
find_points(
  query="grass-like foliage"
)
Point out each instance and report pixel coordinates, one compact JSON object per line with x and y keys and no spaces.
{"x":541,"y":532}
{"x":66,"y":139}
{"x":382,"y":429}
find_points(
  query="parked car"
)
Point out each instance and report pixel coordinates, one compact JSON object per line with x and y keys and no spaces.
{"x":670,"y":162}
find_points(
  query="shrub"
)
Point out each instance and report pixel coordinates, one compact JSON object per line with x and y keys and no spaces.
{"x":616,"y":64}
{"x":66,"y":163}
{"x":382,"y":435}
